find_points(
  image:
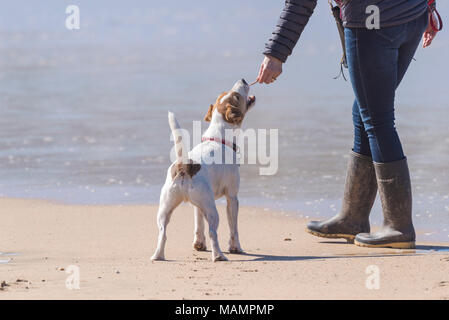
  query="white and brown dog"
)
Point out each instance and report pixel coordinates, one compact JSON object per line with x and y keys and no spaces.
{"x":197,"y":178}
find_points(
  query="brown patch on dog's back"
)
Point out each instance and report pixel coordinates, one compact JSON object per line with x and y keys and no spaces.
{"x":182,"y":169}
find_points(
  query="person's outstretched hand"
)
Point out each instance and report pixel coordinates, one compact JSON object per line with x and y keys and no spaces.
{"x":430,"y":34}
{"x":270,"y":69}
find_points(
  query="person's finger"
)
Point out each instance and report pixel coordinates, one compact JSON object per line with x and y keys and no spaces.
{"x":265,"y":76}
{"x":271,"y":80}
{"x":259,"y":76}
{"x":427,"y":39}
{"x":269,"y":77}
{"x":263,"y":72}
{"x":277,"y":74}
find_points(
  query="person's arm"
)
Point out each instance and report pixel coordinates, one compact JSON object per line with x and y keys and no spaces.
{"x":292,"y":22}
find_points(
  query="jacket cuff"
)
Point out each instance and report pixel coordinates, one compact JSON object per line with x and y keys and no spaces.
{"x":276,"y":54}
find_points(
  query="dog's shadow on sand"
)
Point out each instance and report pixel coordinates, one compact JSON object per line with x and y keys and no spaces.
{"x":419,"y":250}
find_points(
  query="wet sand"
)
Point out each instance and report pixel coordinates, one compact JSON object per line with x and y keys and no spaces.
{"x":112,"y":245}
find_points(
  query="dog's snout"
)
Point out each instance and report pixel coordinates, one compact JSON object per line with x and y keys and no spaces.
{"x":242,"y":87}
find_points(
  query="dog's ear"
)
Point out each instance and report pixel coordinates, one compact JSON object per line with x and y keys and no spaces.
{"x":208,"y":116}
{"x":233,"y":114}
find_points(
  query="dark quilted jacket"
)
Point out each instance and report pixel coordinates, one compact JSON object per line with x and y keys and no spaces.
{"x":296,"y":14}
{"x":289,"y":27}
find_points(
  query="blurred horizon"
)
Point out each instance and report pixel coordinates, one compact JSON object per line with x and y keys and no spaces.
{"x":198,"y":32}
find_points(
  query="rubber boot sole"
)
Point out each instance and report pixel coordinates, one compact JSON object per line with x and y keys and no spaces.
{"x":348,"y":237}
{"x":394,"y":245}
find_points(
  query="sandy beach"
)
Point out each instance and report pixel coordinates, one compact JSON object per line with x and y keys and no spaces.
{"x":112,"y":245}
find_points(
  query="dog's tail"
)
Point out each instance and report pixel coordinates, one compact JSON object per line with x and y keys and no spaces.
{"x":180,"y":147}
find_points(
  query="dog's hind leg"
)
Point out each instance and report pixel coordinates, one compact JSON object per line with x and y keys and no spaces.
{"x":169,"y":200}
{"x":199,"y":242}
{"x":232,"y":210}
{"x":202,"y":196}
{"x":211,"y":215}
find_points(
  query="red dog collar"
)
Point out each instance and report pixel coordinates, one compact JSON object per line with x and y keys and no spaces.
{"x":222,"y":141}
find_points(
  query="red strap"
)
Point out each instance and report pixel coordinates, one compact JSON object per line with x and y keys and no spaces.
{"x":433,"y":11}
{"x":222,"y":141}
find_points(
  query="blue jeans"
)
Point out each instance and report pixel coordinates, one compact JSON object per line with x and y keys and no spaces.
{"x":377,"y":61}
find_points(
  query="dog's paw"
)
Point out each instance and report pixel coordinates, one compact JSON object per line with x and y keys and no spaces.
{"x":220,"y":258}
{"x":157,"y":258}
{"x":236,"y":250}
{"x":199,"y":246}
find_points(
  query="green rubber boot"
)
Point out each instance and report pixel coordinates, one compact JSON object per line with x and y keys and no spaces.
{"x":393,"y":180}
{"x":359,"y":195}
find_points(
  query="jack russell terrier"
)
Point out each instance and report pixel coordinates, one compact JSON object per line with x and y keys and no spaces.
{"x":196,"y":177}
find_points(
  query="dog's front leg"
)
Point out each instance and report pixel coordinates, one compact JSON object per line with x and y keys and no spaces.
{"x":199,"y":241}
{"x":232,"y":210}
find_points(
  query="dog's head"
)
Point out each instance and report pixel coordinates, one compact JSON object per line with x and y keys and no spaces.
{"x":233,"y":105}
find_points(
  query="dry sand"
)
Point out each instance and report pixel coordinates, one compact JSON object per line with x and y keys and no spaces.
{"x":112,"y":245}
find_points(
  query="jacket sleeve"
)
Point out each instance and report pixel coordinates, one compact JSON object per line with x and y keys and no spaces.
{"x":289,"y":27}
